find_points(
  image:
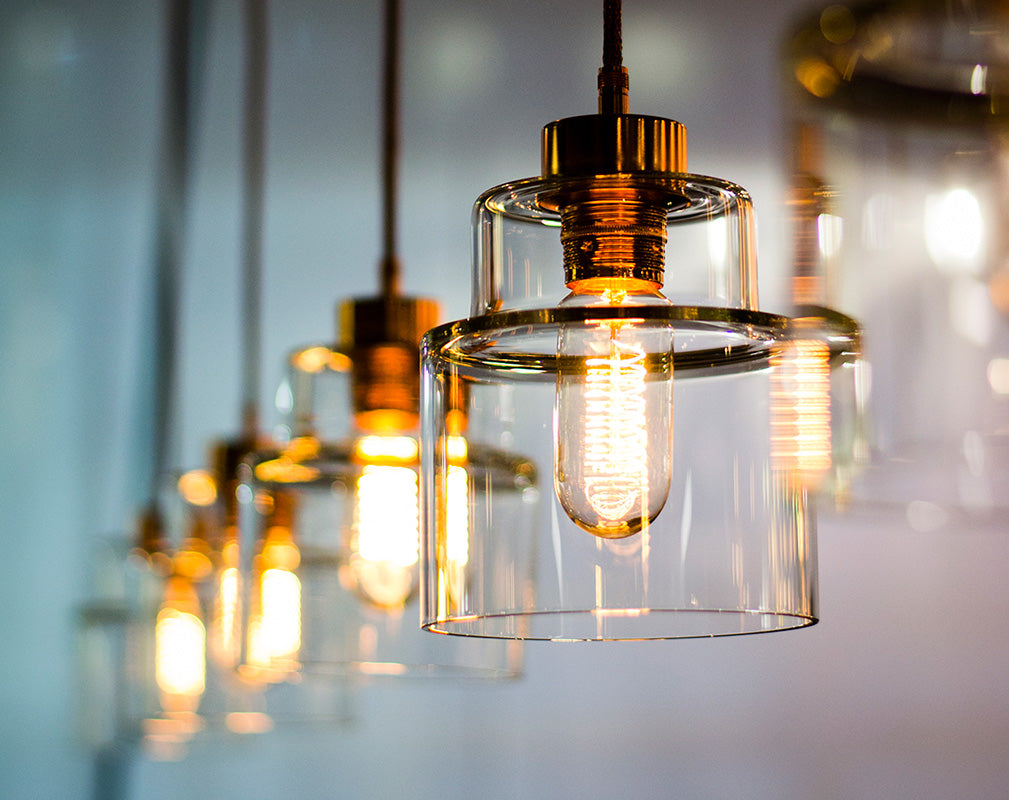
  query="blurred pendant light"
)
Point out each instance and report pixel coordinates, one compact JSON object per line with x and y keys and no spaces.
{"x":900,"y":184}
{"x":250,"y":705}
{"x":329,"y":522}
{"x":147,"y":635}
{"x":174,"y":656}
{"x":175,"y":643}
{"x":639,"y":537}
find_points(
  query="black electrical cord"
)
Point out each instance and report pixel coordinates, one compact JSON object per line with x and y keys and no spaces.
{"x":253,"y":171}
{"x":612,"y":81}
{"x":390,"y":150}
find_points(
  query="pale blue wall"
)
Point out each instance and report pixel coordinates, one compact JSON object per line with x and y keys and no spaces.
{"x":899,"y":692}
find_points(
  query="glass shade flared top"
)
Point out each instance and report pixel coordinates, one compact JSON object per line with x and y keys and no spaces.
{"x":609,"y":449}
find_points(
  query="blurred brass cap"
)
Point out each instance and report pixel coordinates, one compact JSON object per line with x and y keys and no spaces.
{"x":607,"y":144}
{"x":371,"y":321}
{"x":383,"y":337}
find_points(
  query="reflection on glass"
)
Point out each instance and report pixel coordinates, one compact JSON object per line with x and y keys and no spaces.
{"x":800,"y":410}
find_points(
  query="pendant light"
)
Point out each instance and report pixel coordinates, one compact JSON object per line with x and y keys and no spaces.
{"x":329,"y":521}
{"x":143,"y":643}
{"x":616,"y":343}
{"x":900,"y":162}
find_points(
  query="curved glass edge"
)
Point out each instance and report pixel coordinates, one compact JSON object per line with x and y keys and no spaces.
{"x":706,"y":196}
{"x":851,"y":62}
{"x":331,"y":462}
{"x":476,"y":626}
{"x":757,"y":332}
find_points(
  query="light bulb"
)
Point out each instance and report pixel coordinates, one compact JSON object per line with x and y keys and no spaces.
{"x":384,"y":540}
{"x":274,"y":632}
{"x":613,"y":413}
{"x":227,"y":613}
{"x":180,"y":648}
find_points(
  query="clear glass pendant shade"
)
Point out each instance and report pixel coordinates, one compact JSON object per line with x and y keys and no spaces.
{"x":330,"y":548}
{"x":901,"y":175}
{"x":645,"y":502}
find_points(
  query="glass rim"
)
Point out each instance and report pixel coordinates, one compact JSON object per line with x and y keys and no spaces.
{"x":442,"y":625}
{"x":706,"y":196}
{"x":756,"y":334}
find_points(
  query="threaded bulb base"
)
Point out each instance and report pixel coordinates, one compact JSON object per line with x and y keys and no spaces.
{"x":614,"y":237}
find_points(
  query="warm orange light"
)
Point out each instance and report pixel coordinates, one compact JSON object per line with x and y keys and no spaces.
{"x":227,"y":613}
{"x":317,"y":358}
{"x":274,"y":632}
{"x":180,"y":648}
{"x":288,"y":466}
{"x":385,"y":537}
{"x":197,"y":487}
{"x":398,"y":448}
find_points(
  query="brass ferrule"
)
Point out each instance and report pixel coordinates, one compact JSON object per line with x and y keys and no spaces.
{"x":616,"y":234}
{"x":609,"y":144}
{"x":618,"y":175}
{"x":382,"y":335}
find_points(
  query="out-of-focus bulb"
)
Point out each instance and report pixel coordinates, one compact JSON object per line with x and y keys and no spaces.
{"x":180,"y":648}
{"x":384,"y":540}
{"x":613,"y":414}
{"x":224,"y":638}
{"x":274,"y":633}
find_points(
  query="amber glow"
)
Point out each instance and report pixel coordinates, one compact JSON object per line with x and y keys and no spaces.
{"x":400,"y":448}
{"x":226,"y":616}
{"x":287,"y":467}
{"x":800,"y":410}
{"x":197,"y":487}
{"x":275,"y":627}
{"x":180,"y":648}
{"x":317,"y":358}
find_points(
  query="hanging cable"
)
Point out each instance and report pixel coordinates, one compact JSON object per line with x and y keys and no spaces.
{"x":253,"y":160}
{"x":612,"y":81}
{"x":169,"y":243}
{"x":390,"y":150}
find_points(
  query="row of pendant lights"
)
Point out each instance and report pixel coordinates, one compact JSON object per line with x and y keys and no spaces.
{"x":608,"y":448}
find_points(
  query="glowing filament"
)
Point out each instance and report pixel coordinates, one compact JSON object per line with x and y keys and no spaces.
{"x":616,"y":442}
{"x":385,"y":540}
{"x":387,"y":515}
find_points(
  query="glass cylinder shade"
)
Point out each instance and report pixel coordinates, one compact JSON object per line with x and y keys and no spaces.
{"x":329,"y":529}
{"x":653,"y":507}
{"x":901,"y":180}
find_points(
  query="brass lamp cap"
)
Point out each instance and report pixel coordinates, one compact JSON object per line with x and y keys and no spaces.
{"x":386,"y":320}
{"x":608,"y":144}
{"x":383,"y":337}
